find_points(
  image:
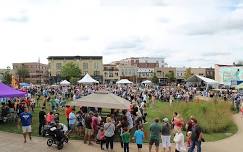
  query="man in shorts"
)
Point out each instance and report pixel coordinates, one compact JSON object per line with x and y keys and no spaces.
{"x":155,"y":131}
{"x":26,"y":120}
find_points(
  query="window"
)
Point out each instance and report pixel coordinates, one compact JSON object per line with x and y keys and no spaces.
{"x":96,"y":65}
{"x":105,"y":74}
{"x":116,"y":74}
{"x":58,"y":66}
{"x":110,"y":74}
{"x":96,"y":73}
{"x":85,"y":66}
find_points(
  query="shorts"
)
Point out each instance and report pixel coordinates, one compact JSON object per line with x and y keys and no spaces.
{"x":166,"y":141}
{"x":71,"y":126}
{"x":26,"y":129}
{"x":139,"y":146}
{"x":88,"y":132}
{"x":154,"y":141}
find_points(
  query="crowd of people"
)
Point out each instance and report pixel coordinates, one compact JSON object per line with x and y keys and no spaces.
{"x":126,"y":125}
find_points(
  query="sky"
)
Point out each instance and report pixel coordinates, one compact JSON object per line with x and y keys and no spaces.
{"x":196,"y":33}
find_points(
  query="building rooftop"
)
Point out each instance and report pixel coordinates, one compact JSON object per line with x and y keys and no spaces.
{"x":74,"y":57}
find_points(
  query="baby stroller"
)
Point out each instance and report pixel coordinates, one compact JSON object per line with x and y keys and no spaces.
{"x":57,"y":135}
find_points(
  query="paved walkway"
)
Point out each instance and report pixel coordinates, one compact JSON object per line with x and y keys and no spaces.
{"x":231,"y":144}
{"x":11,"y":142}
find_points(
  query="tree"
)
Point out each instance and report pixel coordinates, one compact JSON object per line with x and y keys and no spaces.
{"x":7,"y":77}
{"x":155,"y":79}
{"x":170,"y":76}
{"x":188,"y":73}
{"x":22,"y":73}
{"x":70,"y":70}
{"x":239,"y":63}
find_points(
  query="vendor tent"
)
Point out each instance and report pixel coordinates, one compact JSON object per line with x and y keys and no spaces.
{"x":103,"y":100}
{"x":24,"y":84}
{"x":199,"y":80}
{"x":6,"y":91}
{"x":240,"y":86}
{"x":147,"y":82}
{"x":64,"y":82}
{"x":87,"y":79}
{"x":123,"y":81}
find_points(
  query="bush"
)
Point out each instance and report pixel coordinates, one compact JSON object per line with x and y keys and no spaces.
{"x":213,"y":117}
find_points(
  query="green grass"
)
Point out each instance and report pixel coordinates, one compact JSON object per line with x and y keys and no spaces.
{"x":214,"y":118}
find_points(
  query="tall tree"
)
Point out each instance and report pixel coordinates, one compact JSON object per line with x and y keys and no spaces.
{"x":70,"y":70}
{"x":22,"y":73}
{"x":155,"y":79}
{"x":170,"y":76}
{"x":7,"y":76}
{"x":188,"y":73}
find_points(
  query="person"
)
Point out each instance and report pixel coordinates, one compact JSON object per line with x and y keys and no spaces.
{"x":196,"y":136}
{"x":53,"y":103}
{"x":155,"y":130}
{"x":26,"y":120}
{"x":50,"y":118}
{"x":126,"y":139}
{"x":42,"y":118}
{"x":72,"y":120}
{"x":166,"y":135}
{"x":179,"y":141}
{"x":241,"y":110}
{"x":95,"y":123}
{"x":101,"y":137}
{"x":188,"y":139}
{"x":88,"y":128}
{"x":139,"y":137}
{"x":173,"y":119}
{"x":109,"y":133}
{"x":68,"y":110}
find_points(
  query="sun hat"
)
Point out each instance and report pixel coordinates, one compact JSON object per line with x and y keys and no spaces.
{"x":166,"y":120}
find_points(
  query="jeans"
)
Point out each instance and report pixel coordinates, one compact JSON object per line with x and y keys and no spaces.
{"x":109,"y":141}
{"x":195,"y":143}
{"x":101,"y":144}
{"x":126,"y":147}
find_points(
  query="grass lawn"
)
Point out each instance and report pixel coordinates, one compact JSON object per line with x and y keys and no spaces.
{"x":160,"y":110}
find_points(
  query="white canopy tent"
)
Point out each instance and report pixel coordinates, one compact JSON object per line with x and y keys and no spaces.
{"x":64,"y":82}
{"x":199,"y":80}
{"x":103,"y":100}
{"x":123,"y":81}
{"x":147,"y":82}
{"x":87,"y":79}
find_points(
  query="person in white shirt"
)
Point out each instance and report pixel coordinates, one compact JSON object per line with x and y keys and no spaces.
{"x":179,"y":141}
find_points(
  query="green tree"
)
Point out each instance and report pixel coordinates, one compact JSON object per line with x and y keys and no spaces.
{"x":155,"y":79}
{"x":7,"y":77}
{"x":170,"y":76}
{"x":22,"y":73}
{"x":188,"y":73}
{"x":70,"y":70}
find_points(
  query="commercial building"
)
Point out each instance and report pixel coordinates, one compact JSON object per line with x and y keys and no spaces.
{"x":129,"y":72}
{"x":226,"y":74}
{"x":144,"y":60}
{"x":111,"y":73}
{"x":161,"y":73}
{"x":37,"y":72}
{"x":87,"y":64}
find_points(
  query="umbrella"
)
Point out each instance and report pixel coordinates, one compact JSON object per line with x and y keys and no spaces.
{"x":103,"y":100}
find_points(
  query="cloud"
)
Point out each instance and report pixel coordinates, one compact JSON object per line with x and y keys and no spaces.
{"x":133,"y":3}
{"x":163,"y":20}
{"x":18,"y":19}
{"x":214,"y":54}
{"x":82,"y":38}
{"x":215,"y":26}
{"x":132,"y":43}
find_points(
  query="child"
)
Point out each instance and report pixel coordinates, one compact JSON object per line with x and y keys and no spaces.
{"x":139,"y":137}
{"x":188,"y":139}
{"x":126,"y":139}
{"x":101,"y":137}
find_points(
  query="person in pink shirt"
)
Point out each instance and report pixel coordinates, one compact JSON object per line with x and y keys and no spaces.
{"x":101,"y":137}
{"x":50,"y":118}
